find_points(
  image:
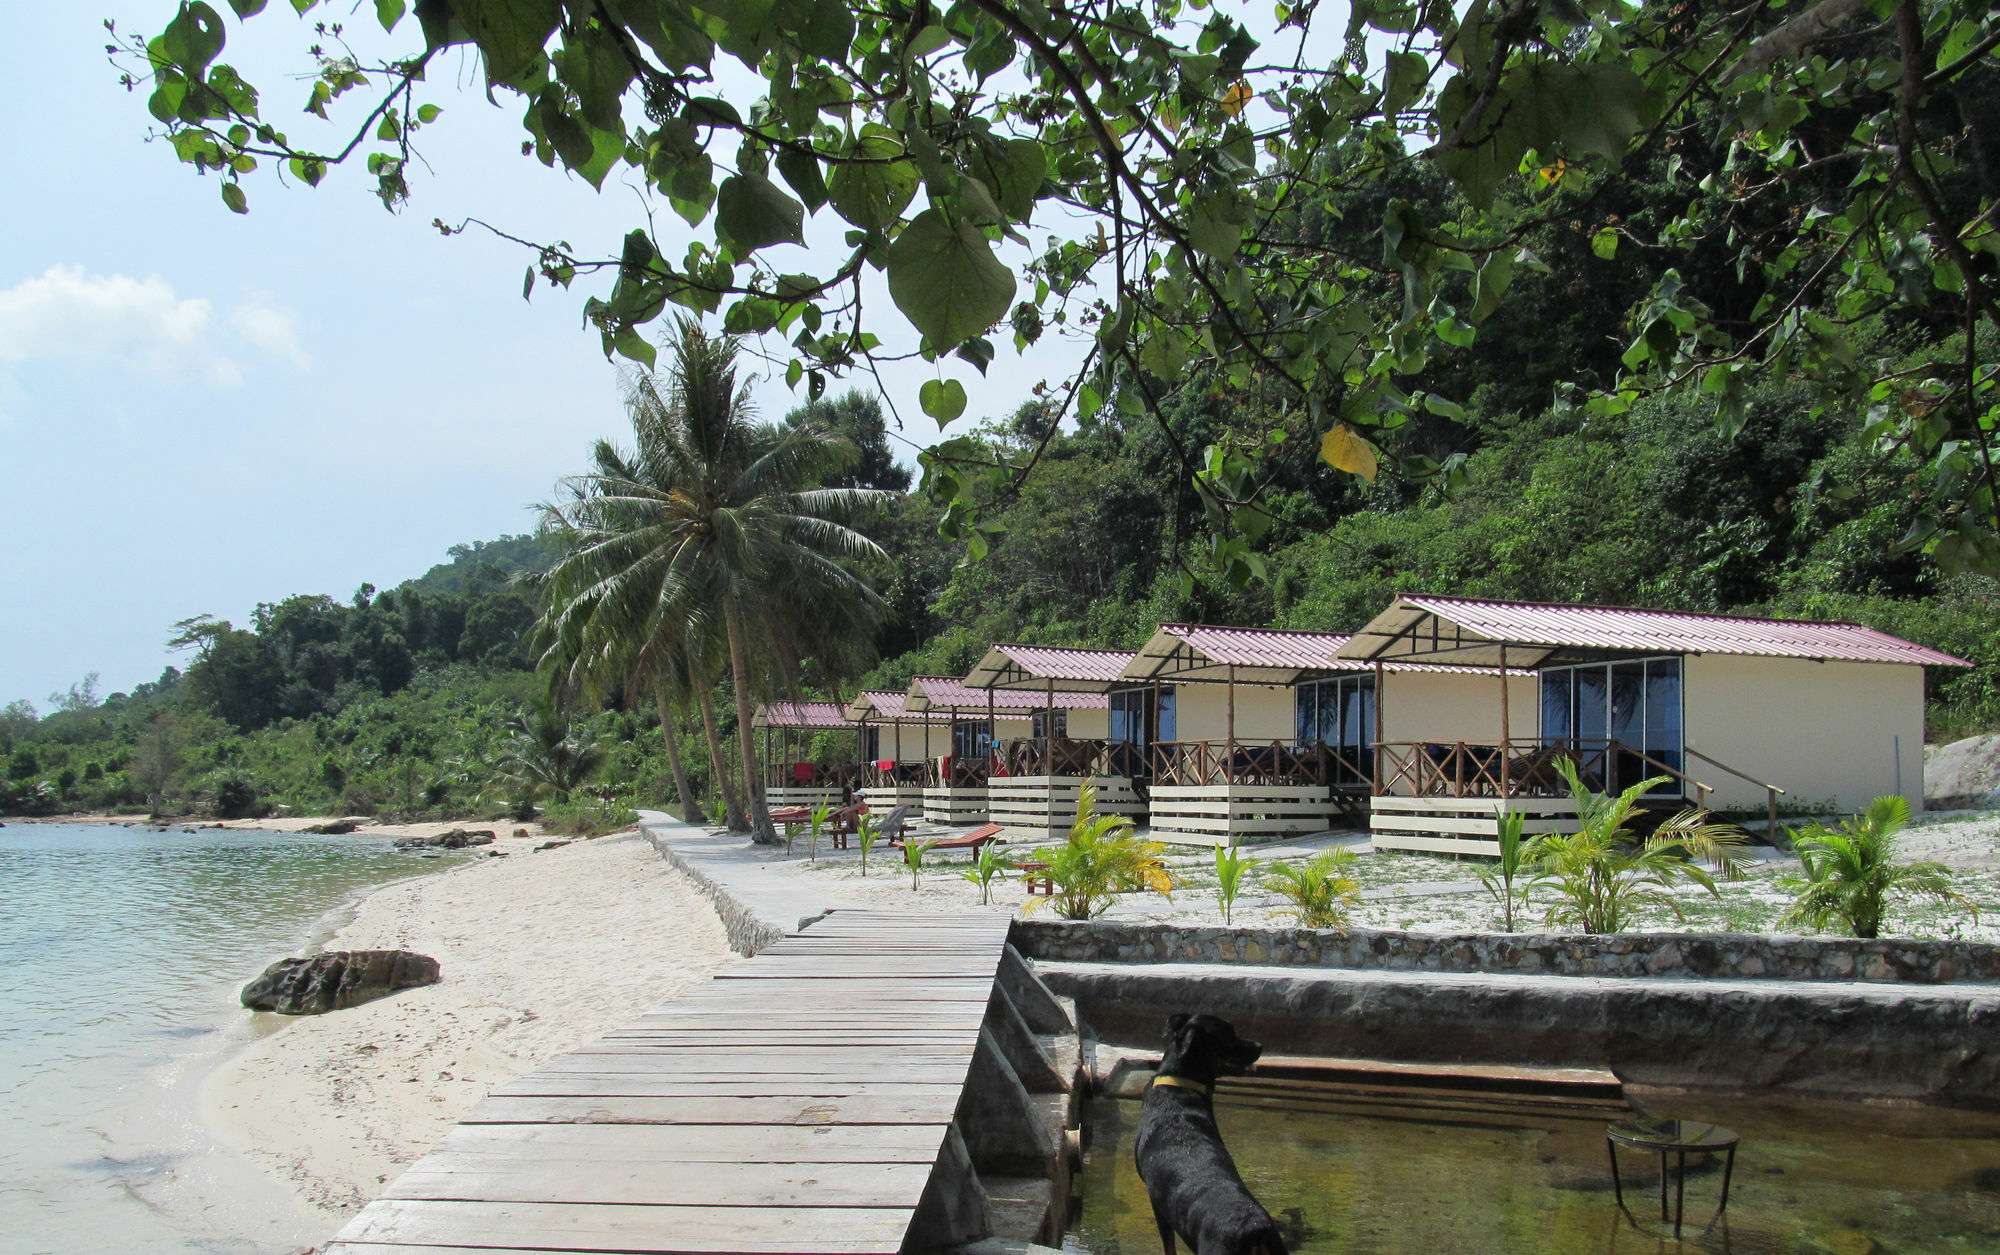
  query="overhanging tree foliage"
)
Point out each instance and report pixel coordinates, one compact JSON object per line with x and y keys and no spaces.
{"x":1187,"y":184}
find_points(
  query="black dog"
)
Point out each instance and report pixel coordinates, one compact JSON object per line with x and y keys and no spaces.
{"x":1193,"y":1183}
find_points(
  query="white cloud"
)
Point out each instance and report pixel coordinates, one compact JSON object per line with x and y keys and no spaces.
{"x":65,"y":314}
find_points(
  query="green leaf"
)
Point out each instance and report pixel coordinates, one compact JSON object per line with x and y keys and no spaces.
{"x":751,"y":212}
{"x":1402,"y":80}
{"x":927,"y":41}
{"x":942,"y":399}
{"x":1444,"y":408}
{"x":232,"y":196}
{"x":946,"y":280}
{"x":1211,"y":234}
{"x":389,"y":12}
{"x":1496,"y":273}
{"x":247,"y":8}
{"x":1614,"y":109}
{"x":510,"y":33}
{"x":872,"y":192}
{"x":1013,"y":170}
{"x":1605,"y":243}
{"x":801,"y":174}
{"x":193,"y":38}
{"x":630,"y":344}
{"x":428,"y":113}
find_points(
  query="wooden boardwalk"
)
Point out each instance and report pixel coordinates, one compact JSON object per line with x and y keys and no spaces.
{"x":794,"y":1104}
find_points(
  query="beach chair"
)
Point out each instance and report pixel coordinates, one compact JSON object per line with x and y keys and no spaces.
{"x":965,"y":841}
{"x":896,"y":825}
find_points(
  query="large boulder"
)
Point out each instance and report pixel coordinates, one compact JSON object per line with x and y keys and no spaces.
{"x":1963,"y":775}
{"x":336,"y":979}
{"x":456,"y":839}
{"x":337,"y":827}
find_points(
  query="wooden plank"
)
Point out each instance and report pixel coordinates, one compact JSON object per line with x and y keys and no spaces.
{"x":713,"y":1143}
{"x":1404,"y":822}
{"x":1434,"y":845}
{"x":444,"y":1175}
{"x":1481,"y":805}
{"x":631,"y":1228}
{"x":929,"y":1090}
{"x":894,"y":1106}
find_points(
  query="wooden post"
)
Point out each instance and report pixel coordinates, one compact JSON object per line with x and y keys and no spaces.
{"x":1049,"y":731}
{"x":1229,"y":748}
{"x":1379,"y":730}
{"x":992,"y":738}
{"x":1504,"y":729}
{"x":1153,"y":731}
{"x":899,"y":746}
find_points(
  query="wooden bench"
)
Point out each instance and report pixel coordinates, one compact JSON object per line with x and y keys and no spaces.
{"x":1036,"y":877}
{"x":965,"y":841}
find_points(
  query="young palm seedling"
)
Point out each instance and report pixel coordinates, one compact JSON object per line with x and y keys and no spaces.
{"x":1515,"y":856}
{"x":1102,"y":858}
{"x":1230,"y":869}
{"x":866,"y":834}
{"x":1850,"y":876}
{"x":1322,"y":890}
{"x":987,"y":866}
{"x":822,"y":816}
{"x":913,"y":856}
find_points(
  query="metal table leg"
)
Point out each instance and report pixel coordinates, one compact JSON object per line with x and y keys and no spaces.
{"x":1617,"y":1186}
{"x":1728,"y":1170}
{"x":1663,"y":1187}
{"x":1680,"y":1191}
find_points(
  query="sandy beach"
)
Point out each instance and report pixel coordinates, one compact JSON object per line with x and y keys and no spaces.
{"x":541,"y":951}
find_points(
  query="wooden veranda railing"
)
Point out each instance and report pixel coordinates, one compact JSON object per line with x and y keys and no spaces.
{"x":955,"y":772}
{"x":1474,"y":768}
{"x":810,"y":775}
{"x":1061,"y":756}
{"x":874,"y":776}
{"x":1256,"y":762}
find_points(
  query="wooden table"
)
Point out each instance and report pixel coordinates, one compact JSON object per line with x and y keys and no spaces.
{"x":793,"y":1104}
{"x":1676,"y":1137}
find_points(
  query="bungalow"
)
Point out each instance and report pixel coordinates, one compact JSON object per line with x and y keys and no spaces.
{"x":1035,"y":780}
{"x":900,"y":744}
{"x":792,"y":776}
{"x":955,"y":781}
{"x":1261,"y":733}
{"x":1732,"y":712}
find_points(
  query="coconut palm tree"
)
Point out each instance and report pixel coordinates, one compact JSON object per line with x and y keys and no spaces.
{"x":1850,"y":876}
{"x":716,"y":533}
{"x":543,"y":750}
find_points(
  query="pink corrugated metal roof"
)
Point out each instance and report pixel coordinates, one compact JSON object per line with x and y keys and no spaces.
{"x":945,"y":693}
{"x":883,"y":705}
{"x":1035,"y":666}
{"x":803,"y":715}
{"x":1197,"y":651}
{"x":1649,"y":631}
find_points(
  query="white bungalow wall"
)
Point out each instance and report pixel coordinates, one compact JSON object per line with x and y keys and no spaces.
{"x":1264,"y":712}
{"x":1825,"y":732}
{"x":1441,"y":706}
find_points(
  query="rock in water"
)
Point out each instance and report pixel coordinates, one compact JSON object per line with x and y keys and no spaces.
{"x":456,"y":839}
{"x":336,"y":979}
{"x":336,"y":828}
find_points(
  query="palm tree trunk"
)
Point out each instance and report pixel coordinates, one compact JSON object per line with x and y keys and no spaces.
{"x":732,"y":809}
{"x":691,"y":810}
{"x":761,"y":830}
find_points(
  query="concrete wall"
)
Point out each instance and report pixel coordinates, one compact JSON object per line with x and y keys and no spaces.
{"x":1425,"y":706}
{"x":1825,"y":732}
{"x":1264,"y":712}
{"x":1089,"y":725}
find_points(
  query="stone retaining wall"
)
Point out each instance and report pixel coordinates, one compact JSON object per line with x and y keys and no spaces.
{"x":1734,"y":956}
{"x":747,"y":931}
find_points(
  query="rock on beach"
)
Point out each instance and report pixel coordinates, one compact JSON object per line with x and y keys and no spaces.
{"x":337,"y":979}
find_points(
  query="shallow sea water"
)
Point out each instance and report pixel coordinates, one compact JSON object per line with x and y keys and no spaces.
{"x":1351,"y":1177}
{"x":121,"y":954}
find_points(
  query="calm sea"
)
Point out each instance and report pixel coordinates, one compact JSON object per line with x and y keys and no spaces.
{"x":121,"y":953}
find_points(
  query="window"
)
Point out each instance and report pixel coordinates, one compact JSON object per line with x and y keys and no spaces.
{"x":1635,"y":703}
{"x":971,"y":738}
{"x":1339,"y":714}
{"x":871,"y":745}
{"x":1135,"y":722}
{"x":1040,"y":718}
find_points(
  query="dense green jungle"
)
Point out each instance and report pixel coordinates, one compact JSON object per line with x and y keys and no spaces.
{"x":415,"y":699}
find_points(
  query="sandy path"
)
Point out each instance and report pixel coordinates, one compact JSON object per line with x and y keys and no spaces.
{"x":540,"y":952}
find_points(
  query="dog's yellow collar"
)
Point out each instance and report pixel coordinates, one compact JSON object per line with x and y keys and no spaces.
{"x":1182,"y":1082}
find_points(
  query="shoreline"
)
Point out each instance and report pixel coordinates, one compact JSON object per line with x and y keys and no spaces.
{"x":541,"y":952}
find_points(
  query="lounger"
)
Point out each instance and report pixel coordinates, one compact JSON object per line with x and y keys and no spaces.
{"x":966,"y":841}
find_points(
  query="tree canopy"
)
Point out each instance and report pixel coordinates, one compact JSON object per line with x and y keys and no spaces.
{"x":1329,"y":210}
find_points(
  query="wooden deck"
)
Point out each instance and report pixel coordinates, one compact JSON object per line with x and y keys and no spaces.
{"x":794,"y":1104}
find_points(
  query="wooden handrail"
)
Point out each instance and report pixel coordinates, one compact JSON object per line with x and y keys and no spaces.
{"x":1741,"y":775}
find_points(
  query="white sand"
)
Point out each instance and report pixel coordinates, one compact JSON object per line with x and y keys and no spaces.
{"x":540,"y":953}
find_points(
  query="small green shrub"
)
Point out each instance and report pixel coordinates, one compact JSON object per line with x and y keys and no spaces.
{"x":987,"y":866}
{"x":1851,"y":876}
{"x":1230,"y":869}
{"x":1322,"y":890}
{"x":1102,"y":858}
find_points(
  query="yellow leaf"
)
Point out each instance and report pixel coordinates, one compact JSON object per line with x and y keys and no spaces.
{"x":1236,"y":98}
{"x":1554,"y":172}
{"x":1343,"y":450}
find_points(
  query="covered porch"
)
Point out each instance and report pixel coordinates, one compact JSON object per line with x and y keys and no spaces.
{"x":793,"y":775}
{"x":954,"y":786}
{"x":1035,"y":780}
{"x":1598,"y":688}
{"x":898,"y":743}
{"x":1270,"y":733}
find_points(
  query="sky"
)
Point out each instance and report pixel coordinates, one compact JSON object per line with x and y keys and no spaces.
{"x":200,"y":411}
